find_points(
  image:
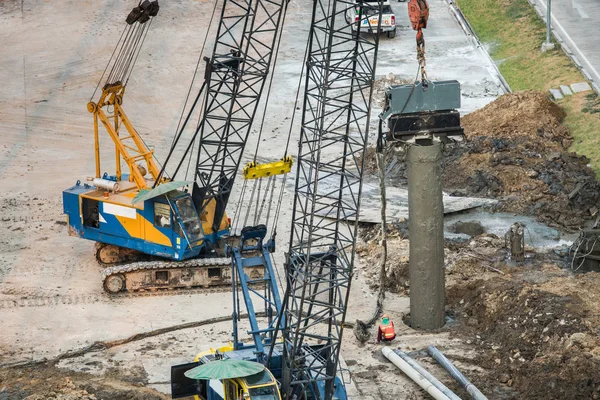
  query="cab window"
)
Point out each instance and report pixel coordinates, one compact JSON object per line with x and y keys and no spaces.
{"x":267,"y":392}
{"x":261,"y":378}
{"x":162,"y":215}
{"x":232,"y":391}
{"x":263,"y":393}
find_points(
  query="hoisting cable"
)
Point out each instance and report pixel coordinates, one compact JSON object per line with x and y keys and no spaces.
{"x":139,"y":51}
{"x":193,"y":143}
{"x":287,"y":144}
{"x":181,"y":128}
{"x":107,"y":64}
{"x":123,"y":59}
{"x":130,"y":47}
{"x":418,"y":14}
{"x":361,"y":329}
{"x":129,"y":44}
{"x":238,"y":207}
{"x":262,"y":123}
{"x":196,"y":72}
{"x":254,"y":171}
{"x":198,"y":128}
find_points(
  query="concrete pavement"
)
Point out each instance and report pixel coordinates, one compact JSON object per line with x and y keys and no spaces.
{"x":576,"y":23}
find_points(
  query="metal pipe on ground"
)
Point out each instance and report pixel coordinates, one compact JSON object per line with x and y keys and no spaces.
{"x":451,"y":395}
{"x":426,"y":228}
{"x":413,"y":374}
{"x":456,"y":374}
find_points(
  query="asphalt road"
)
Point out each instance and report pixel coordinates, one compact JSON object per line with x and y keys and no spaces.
{"x":577,"y":22}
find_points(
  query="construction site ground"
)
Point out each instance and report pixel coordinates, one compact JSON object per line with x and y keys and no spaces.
{"x":523,"y":331}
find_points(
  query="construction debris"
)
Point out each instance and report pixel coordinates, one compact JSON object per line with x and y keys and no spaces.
{"x":413,"y":374}
{"x":534,"y":331}
{"x":515,"y":242}
{"x":456,"y":374}
{"x":50,"y":383}
{"x":516,"y":151}
{"x":381,"y":84}
{"x":427,"y":375}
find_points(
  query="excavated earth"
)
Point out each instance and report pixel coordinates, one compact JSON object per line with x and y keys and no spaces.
{"x":533,"y":327}
{"x":529,"y":330}
{"x":44,"y":382}
{"x":516,"y":151}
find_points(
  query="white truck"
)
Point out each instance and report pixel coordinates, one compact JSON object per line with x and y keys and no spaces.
{"x":369,"y":23}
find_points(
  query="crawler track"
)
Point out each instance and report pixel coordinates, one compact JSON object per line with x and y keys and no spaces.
{"x":49,"y":301}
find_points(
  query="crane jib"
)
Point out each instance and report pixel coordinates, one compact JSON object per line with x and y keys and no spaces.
{"x":235,"y":76}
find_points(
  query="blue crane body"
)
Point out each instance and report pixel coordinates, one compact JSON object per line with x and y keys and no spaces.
{"x":145,"y":215}
{"x":251,"y":254}
{"x":167,"y":227}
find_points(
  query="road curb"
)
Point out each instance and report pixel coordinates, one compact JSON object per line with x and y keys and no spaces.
{"x":466,"y":27}
{"x":569,"y":52}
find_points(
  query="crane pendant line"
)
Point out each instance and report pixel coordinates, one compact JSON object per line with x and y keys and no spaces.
{"x":235,"y":78}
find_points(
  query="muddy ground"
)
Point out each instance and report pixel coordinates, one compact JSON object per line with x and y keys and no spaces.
{"x":530,"y":329}
{"x":516,"y":150}
{"x":533,"y":327}
{"x":46,"y":382}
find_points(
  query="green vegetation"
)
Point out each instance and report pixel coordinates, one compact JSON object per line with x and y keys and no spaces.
{"x":514,"y":33}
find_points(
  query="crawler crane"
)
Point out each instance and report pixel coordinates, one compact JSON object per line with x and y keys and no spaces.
{"x":143,"y":219}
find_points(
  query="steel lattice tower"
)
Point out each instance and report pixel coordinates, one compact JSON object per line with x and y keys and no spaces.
{"x":234,"y":79}
{"x":340,"y":72}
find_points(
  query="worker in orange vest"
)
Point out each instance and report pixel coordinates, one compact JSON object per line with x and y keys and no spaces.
{"x":386,"y":329}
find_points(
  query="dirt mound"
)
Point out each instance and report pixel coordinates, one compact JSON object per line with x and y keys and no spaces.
{"x":537,"y":343}
{"x":530,"y":330}
{"x":41,"y":382}
{"x":516,"y":152}
{"x":528,"y":115}
{"x":397,"y":262}
{"x":66,"y":390}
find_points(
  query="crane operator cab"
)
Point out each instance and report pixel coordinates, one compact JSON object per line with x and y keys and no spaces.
{"x":209,"y":366}
{"x":261,"y":386}
{"x":167,"y":225}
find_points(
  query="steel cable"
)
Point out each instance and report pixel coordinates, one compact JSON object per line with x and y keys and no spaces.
{"x":271,"y":80}
{"x":139,"y":50}
{"x":107,"y":64}
{"x":195,"y":71}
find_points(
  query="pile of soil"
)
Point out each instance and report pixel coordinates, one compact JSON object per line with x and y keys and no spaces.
{"x":516,"y":151}
{"x":529,"y":330}
{"x":532,"y":343}
{"x":396,"y":265}
{"x":43,"y":381}
{"x":65,"y":390}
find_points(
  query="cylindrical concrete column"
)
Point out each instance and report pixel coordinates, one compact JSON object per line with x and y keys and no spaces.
{"x":426,"y":233}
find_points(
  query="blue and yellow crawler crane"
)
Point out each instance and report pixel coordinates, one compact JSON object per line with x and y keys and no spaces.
{"x":150,"y":231}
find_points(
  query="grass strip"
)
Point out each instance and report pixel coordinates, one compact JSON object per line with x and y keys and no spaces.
{"x":513,"y":34}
